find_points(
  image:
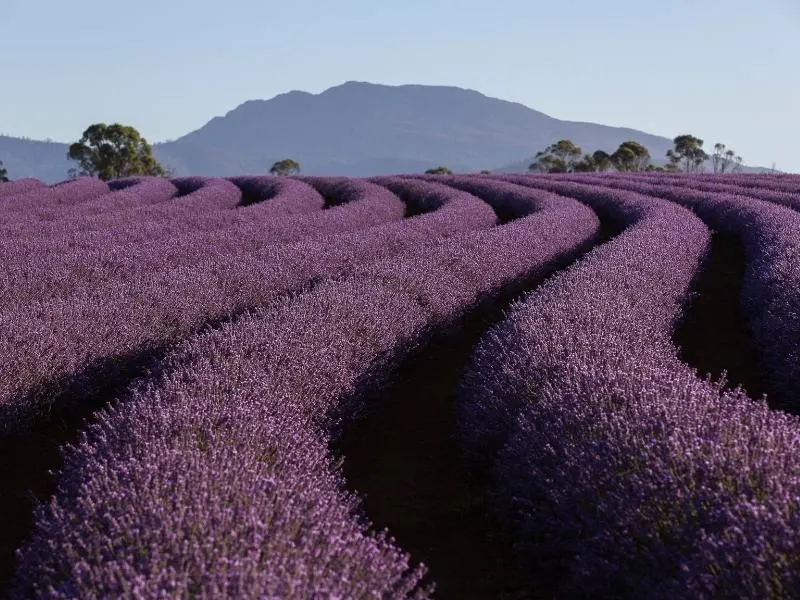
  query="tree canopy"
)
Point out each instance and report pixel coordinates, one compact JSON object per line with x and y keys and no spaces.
{"x":630,"y":156}
{"x":3,"y":173}
{"x":688,"y":154}
{"x":565,"y":157}
{"x":597,"y":161}
{"x":560,"y":157}
{"x":113,"y":151}
{"x":287,"y":166}
{"x":725,"y":160}
{"x":440,"y":170}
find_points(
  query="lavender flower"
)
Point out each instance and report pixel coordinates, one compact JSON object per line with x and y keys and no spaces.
{"x":213,"y":476}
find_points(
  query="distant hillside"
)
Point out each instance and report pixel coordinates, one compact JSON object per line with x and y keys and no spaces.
{"x":30,"y":158}
{"x":357,"y":129}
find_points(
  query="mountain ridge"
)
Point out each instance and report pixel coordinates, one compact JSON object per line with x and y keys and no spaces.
{"x":357,"y":129}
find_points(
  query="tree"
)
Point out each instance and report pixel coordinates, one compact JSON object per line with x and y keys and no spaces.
{"x":602,"y":160}
{"x":630,"y":156}
{"x":440,"y":170}
{"x":586,"y":165}
{"x":485,"y":172}
{"x":284,"y":167}
{"x":113,"y":151}
{"x":688,"y":154}
{"x":560,"y":157}
{"x":3,"y":173}
{"x":597,"y":161}
{"x":724,"y":160}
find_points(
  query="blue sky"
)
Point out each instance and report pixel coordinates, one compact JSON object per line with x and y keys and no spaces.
{"x":726,"y":71}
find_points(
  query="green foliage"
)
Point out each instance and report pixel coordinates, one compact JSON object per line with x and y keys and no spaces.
{"x":113,"y":151}
{"x":3,"y":173}
{"x":630,"y":156}
{"x":725,"y":160}
{"x":688,"y":154}
{"x":586,"y":165}
{"x":284,"y":167}
{"x":560,"y":157}
{"x":440,"y":170}
{"x":602,"y":161}
{"x":485,"y":172}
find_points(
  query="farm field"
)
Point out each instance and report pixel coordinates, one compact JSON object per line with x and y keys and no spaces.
{"x":449,"y":386}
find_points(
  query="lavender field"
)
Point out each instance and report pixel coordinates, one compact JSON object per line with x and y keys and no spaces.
{"x":454,"y":386}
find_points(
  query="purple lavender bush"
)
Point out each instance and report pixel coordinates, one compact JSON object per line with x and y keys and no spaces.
{"x":785,"y":197}
{"x":20,"y":186}
{"x":282,"y":195}
{"x":213,"y":476}
{"x":770,"y":236}
{"x":624,"y":475}
{"x":53,"y":220}
{"x":66,"y":193}
{"x":51,"y":345}
{"x":58,"y":266}
{"x":642,"y":218}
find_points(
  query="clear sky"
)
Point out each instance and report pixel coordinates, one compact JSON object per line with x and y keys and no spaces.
{"x":724,"y":70}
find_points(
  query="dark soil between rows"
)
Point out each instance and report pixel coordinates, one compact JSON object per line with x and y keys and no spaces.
{"x":714,"y":336}
{"x":405,"y":461}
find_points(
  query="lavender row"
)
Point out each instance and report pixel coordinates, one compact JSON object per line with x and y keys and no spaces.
{"x":50,"y":345}
{"x":778,"y":182}
{"x":620,"y":469}
{"x":790,"y":199}
{"x":160,"y":203}
{"x":87,"y":224}
{"x":770,"y":236}
{"x":508,"y":200}
{"x":639,"y":217}
{"x":37,"y":219}
{"x":127,"y":214}
{"x":76,"y":268}
{"x":66,"y":193}
{"x":242,"y":417}
{"x":20,"y":186}
{"x":287,"y":196}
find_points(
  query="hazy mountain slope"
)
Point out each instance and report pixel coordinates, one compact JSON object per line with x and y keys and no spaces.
{"x":357,"y":129}
{"x":350,"y":126}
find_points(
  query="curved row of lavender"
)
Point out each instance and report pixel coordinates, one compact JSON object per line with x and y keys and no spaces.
{"x":624,"y":474}
{"x":60,"y":349}
{"x":781,"y":182}
{"x":67,"y":237}
{"x":233,"y":432}
{"x":639,"y":217}
{"x":151,"y":204}
{"x":48,"y":219}
{"x":287,"y":196}
{"x":770,"y":301}
{"x":790,"y":198}
{"x":152,"y":212}
{"x":20,"y":186}
{"x":33,"y":275}
{"x":65,"y":194}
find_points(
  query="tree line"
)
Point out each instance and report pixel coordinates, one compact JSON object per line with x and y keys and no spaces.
{"x":687,"y":155}
{"x":114,"y":151}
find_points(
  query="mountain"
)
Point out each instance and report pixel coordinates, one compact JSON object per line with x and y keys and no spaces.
{"x":32,"y":158}
{"x":357,"y":129}
{"x":364,"y":129}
